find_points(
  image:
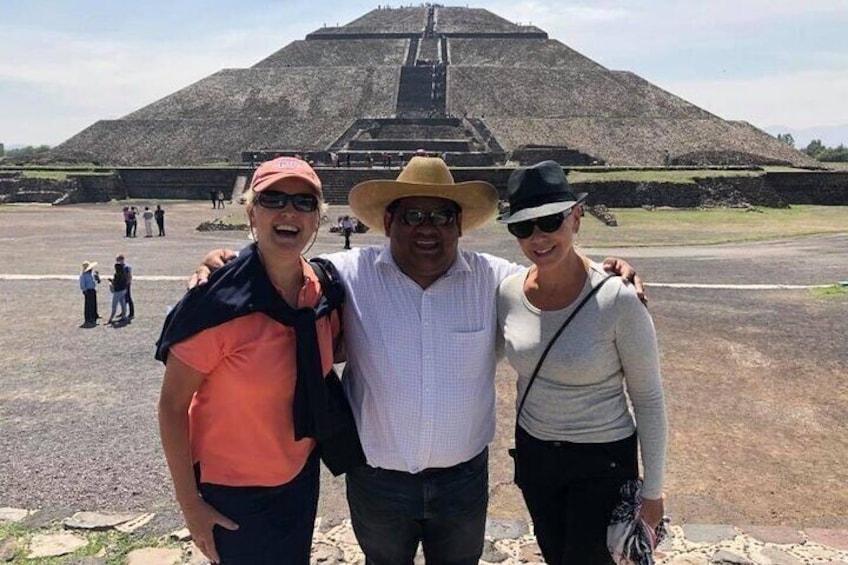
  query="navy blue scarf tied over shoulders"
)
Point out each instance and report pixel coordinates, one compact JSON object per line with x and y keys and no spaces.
{"x":242,"y":287}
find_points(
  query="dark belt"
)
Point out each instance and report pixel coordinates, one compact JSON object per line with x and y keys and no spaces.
{"x":431,"y":471}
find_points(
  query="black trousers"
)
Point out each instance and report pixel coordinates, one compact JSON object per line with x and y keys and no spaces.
{"x":570,"y":490}
{"x":130,"y":302}
{"x":90,"y":307}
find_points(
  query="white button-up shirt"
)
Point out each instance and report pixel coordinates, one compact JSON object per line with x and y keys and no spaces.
{"x":423,"y":360}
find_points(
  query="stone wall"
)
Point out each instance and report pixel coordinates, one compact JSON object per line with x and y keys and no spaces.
{"x":769,"y":190}
{"x":184,"y":184}
{"x":811,"y":188}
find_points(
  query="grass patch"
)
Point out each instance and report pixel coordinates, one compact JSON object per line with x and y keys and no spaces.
{"x":112,"y":545}
{"x":639,"y":227}
{"x":682,"y":176}
{"x":59,"y":175}
{"x":830,"y":292}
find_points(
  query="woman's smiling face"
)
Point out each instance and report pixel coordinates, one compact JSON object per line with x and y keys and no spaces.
{"x":287,"y":229}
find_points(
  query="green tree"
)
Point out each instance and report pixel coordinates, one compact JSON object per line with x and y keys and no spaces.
{"x":834,"y":154}
{"x":814,"y":148}
{"x":27,"y":152}
{"x":786,"y":138}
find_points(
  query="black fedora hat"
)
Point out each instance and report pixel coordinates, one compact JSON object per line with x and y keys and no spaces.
{"x":538,"y":190}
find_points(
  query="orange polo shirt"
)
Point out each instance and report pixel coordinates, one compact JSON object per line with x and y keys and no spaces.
{"x":240,"y":419}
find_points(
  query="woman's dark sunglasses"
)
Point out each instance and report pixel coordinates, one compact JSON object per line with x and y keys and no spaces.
{"x":439,"y":217}
{"x":548,"y":224}
{"x":279,"y":200}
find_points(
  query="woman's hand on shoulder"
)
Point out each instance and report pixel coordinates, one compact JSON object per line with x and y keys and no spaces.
{"x":211,"y":262}
{"x":201,"y":518}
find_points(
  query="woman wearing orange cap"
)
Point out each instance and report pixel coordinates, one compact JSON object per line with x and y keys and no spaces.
{"x":243,"y":355}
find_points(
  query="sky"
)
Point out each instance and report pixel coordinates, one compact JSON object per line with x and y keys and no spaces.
{"x":781,"y":65}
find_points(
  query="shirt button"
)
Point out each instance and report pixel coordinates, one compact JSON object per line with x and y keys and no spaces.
{"x":613,"y":465}
{"x":557,"y":444}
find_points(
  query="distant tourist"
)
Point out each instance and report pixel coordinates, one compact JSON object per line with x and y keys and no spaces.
{"x":221,"y":199}
{"x":118,"y":286}
{"x":133,"y":221}
{"x":213,"y":196}
{"x":159,"y":214}
{"x":148,"y":221}
{"x":88,"y":280}
{"x":347,"y":230}
{"x":127,"y":222}
{"x":129,"y":276}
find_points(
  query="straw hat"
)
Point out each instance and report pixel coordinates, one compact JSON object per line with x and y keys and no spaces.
{"x":424,"y":176}
{"x":88,"y":265}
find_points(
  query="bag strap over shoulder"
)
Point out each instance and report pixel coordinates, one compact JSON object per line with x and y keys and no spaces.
{"x":333,"y":290}
{"x":574,"y":312}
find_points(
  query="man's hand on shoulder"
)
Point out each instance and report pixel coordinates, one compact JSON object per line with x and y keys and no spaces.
{"x":622,"y":268}
{"x":212,"y":261}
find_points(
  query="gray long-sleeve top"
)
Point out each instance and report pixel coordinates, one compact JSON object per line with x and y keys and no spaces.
{"x":579,"y":395}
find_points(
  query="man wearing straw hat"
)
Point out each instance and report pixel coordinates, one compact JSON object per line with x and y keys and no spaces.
{"x":88,"y":280}
{"x":420,"y":332}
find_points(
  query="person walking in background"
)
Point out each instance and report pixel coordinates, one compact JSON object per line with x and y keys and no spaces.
{"x":127,"y":222}
{"x":221,"y":199}
{"x":129,"y":276}
{"x":159,"y":215}
{"x":88,"y":280}
{"x":118,"y":286}
{"x":347,"y":230}
{"x":133,"y":215}
{"x":148,"y":222}
{"x":587,"y":337}
{"x":213,"y":196}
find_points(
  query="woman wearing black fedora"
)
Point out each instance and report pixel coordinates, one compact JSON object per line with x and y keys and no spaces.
{"x":577,"y":338}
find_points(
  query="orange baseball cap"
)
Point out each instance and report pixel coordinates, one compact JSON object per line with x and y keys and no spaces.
{"x":275,"y":170}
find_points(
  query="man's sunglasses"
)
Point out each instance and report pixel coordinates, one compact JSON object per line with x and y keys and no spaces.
{"x":279,"y":200}
{"x":439,"y":217}
{"x":548,"y":224}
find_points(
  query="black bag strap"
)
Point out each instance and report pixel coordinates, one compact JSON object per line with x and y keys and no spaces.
{"x":333,"y":289}
{"x":553,"y":339}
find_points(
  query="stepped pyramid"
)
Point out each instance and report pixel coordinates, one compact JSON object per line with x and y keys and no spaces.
{"x":460,"y":81}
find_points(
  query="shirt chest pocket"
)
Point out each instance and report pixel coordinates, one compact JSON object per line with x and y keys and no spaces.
{"x":469,"y":352}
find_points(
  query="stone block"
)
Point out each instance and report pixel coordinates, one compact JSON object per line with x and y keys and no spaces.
{"x":837,"y":539}
{"x":155,"y":556}
{"x":708,"y":533}
{"x":505,"y":529}
{"x":774,"y":534}
{"x":54,"y":545}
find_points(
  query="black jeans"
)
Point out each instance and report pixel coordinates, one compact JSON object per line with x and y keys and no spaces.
{"x":443,"y":509}
{"x":570,"y":490}
{"x":275,"y":523}
{"x":90,"y":306}
{"x":130,"y":302}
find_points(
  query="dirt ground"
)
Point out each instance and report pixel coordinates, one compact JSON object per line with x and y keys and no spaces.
{"x":755,"y":380}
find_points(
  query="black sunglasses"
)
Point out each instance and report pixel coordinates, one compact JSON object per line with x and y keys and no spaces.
{"x":279,"y":200}
{"x":439,"y":217}
{"x":548,"y":224}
